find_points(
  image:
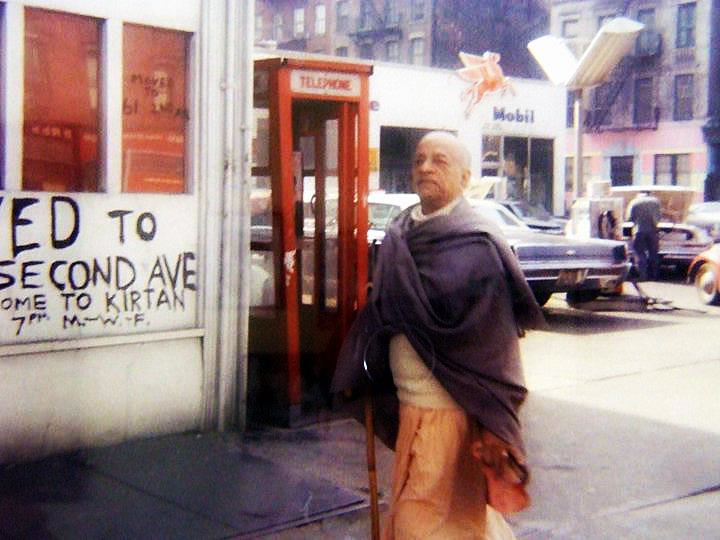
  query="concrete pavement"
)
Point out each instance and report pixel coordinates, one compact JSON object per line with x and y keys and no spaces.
{"x":622,"y":427}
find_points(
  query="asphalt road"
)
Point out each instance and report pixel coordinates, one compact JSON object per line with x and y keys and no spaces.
{"x":623,"y":419}
{"x":622,"y":423}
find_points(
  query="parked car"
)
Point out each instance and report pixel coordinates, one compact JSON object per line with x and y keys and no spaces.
{"x":706,"y":215}
{"x":535,"y":216}
{"x":679,"y":243}
{"x":551,"y":263}
{"x":704,"y":271}
{"x":582,"y":268}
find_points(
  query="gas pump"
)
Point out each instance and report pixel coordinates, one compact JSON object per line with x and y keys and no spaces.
{"x":316,"y":172}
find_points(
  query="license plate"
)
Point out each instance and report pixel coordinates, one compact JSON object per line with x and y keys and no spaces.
{"x":571,"y":277}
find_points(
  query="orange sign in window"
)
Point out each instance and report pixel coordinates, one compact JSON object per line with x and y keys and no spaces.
{"x":155,"y":113}
{"x":60,"y":129}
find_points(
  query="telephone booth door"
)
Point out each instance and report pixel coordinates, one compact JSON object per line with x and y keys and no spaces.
{"x":313,"y":240}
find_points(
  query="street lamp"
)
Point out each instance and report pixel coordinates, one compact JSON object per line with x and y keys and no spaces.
{"x":613,"y":41}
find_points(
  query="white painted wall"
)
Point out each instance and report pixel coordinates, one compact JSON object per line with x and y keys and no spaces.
{"x":96,"y":396}
{"x":64,"y":387}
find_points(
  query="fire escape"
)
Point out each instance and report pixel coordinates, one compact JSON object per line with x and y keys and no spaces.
{"x":644,"y":59}
{"x":374,"y":26}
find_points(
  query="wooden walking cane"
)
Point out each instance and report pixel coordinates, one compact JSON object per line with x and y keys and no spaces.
{"x":372,"y":472}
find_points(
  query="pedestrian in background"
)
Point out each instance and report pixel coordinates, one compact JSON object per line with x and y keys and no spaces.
{"x":644,"y":212}
{"x":447,"y":307}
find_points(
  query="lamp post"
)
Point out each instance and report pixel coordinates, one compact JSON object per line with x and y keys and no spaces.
{"x":613,"y":41}
{"x":711,"y":129}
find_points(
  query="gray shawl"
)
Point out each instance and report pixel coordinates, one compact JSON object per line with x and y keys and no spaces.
{"x":452,"y":285}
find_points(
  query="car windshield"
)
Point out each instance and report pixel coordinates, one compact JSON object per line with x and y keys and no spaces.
{"x":380,"y":215}
{"x":498,"y":215}
{"x":526,"y":210}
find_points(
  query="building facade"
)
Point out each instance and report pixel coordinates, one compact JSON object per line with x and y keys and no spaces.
{"x":418,"y":32}
{"x":121,"y":197}
{"x":399,"y":31}
{"x":644,"y":126}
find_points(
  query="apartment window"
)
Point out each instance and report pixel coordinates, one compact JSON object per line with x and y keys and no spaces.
{"x":417,"y":51}
{"x":646,"y":39}
{"x":61,"y":125}
{"x":683,"y":97}
{"x":392,"y":51}
{"x":417,"y":10}
{"x":258,"y":27}
{"x":341,"y":51}
{"x":672,"y":169}
{"x":298,"y":22}
{"x":366,"y":15}
{"x":685,"y":36}
{"x":392,"y":16}
{"x":642,"y":101}
{"x":320,"y":19}
{"x":155,"y":114}
{"x":278,"y":27}
{"x":342,"y":15}
{"x":570,"y":28}
{"x":366,"y":51}
{"x":601,"y":105}
{"x":621,"y":170}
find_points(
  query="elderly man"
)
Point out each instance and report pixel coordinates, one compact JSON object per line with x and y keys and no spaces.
{"x":448,"y":304}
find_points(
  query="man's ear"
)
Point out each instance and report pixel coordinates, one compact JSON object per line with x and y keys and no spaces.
{"x":465,"y":182}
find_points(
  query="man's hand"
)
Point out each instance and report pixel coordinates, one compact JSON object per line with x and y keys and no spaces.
{"x":497,"y":455}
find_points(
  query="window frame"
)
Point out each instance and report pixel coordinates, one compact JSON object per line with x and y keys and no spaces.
{"x":646,"y":16}
{"x":342,"y":16}
{"x":395,"y":46}
{"x":683,"y":106}
{"x":298,"y":22}
{"x":417,"y":10}
{"x":565,"y":23}
{"x":685,"y":25}
{"x":110,"y":53}
{"x":679,"y":169}
{"x":413,"y":52}
{"x":642,"y":103}
{"x":320,"y":23}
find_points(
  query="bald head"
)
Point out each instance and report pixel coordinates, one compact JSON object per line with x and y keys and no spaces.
{"x":441,"y":170}
{"x":460,"y":151}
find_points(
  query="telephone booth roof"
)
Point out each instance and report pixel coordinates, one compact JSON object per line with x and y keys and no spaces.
{"x":328,"y":63}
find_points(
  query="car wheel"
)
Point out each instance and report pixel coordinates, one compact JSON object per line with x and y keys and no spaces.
{"x":706,"y":284}
{"x":542,"y":297}
{"x":578,"y":297}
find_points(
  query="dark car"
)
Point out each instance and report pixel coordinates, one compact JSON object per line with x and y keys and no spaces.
{"x":551,"y":263}
{"x":706,"y":216}
{"x":535,"y":216}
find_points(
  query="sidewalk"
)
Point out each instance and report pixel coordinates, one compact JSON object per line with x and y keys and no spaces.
{"x":195,"y":486}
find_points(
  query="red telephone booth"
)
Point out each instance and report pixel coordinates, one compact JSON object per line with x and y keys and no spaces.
{"x":310,"y":162}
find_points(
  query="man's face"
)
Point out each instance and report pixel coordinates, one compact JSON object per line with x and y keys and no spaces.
{"x":438,"y":176}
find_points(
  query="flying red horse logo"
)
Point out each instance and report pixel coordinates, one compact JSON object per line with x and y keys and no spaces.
{"x":486,"y":76}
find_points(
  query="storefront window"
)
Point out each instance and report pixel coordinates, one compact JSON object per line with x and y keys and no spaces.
{"x":60,"y":110}
{"x":155,"y":114}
